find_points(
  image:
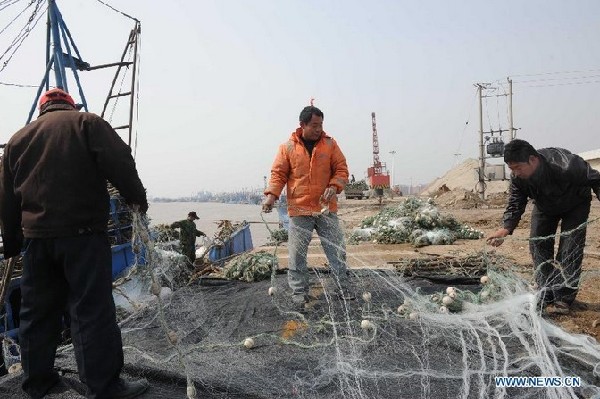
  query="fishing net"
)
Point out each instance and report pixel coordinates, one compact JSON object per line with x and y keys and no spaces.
{"x":278,"y":236}
{"x":415,"y":221}
{"x":424,"y":328}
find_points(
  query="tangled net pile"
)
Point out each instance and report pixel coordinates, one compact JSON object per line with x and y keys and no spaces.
{"x":229,"y":338}
{"x":415,"y":221}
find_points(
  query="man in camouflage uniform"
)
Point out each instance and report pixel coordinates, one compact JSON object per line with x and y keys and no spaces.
{"x":187,"y":235}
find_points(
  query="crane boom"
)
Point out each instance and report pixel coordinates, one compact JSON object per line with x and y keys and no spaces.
{"x":376,"y":162}
{"x":378,"y":176}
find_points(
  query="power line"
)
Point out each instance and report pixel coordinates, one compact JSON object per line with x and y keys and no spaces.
{"x":23,"y":34}
{"x":556,"y":73}
{"x":565,"y":84}
{"x":120,"y":12}
{"x":8,"y":3}
{"x":17,"y":85}
{"x":15,"y":18}
{"x":466,"y":125}
{"x":555,"y":79}
{"x":557,"y":84}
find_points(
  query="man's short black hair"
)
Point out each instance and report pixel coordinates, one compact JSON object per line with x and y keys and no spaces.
{"x":518,"y":151}
{"x":308,"y":112}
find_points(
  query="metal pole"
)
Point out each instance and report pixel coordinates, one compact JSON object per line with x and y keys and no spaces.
{"x":393,"y":152}
{"x":481,"y":183}
{"x":510,"y":110}
{"x":39,"y":91}
{"x":59,"y":69}
{"x":48,"y":33}
{"x":133,"y":78}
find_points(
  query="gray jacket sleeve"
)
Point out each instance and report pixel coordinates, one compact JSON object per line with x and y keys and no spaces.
{"x":517,"y":201}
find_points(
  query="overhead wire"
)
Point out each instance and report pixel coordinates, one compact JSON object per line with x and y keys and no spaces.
{"x":564,"y":84}
{"x":17,"y":85}
{"x":120,"y":12}
{"x":556,"y":73}
{"x":586,"y":78}
{"x":487,"y":112}
{"x":555,"y":79}
{"x":498,"y":114}
{"x":22,"y":35}
{"x":8,"y":3}
{"x":465,"y":125}
{"x":16,"y":17}
{"x":503,"y":88}
{"x":116,"y":102}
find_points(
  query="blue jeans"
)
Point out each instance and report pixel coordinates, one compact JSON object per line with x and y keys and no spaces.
{"x":332,"y":239}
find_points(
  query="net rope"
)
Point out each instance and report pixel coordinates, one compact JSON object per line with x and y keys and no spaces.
{"x":407,"y":334}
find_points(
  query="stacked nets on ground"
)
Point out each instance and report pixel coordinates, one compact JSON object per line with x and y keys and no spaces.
{"x":415,"y":221}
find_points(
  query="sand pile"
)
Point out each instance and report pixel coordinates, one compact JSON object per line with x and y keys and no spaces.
{"x":464,"y":177}
{"x":463,"y":199}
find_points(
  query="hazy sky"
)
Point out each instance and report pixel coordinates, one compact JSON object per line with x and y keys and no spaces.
{"x":222,"y":82}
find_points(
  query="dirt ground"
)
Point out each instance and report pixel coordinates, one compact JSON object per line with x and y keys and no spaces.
{"x":486,"y":217}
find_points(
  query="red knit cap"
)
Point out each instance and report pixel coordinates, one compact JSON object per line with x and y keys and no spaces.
{"x":56,"y":95}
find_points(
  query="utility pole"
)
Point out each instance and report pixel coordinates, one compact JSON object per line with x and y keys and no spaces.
{"x":265,"y":181}
{"x":481,"y":182}
{"x":513,"y":132}
{"x":393,"y":152}
{"x":495,"y":144}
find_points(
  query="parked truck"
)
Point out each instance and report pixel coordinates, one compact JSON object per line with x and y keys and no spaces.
{"x":356,"y":190}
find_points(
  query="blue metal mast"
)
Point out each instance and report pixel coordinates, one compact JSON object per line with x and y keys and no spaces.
{"x":58,"y":38}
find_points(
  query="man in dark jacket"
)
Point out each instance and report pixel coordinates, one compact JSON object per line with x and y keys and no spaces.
{"x":559,"y":182}
{"x":187,"y":235}
{"x":54,"y":205}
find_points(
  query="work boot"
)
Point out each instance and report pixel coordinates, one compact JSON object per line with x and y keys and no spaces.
{"x":127,"y":389}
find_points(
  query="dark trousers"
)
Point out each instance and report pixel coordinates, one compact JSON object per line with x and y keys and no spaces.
{"x":72,"y":273}
{"x":558,"y":279}
{"x":189,"y":250}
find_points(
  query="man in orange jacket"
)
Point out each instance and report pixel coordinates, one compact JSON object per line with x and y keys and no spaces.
{"x":314,"y":169}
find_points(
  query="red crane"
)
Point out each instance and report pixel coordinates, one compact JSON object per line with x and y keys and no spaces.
{"x":379,"y":179}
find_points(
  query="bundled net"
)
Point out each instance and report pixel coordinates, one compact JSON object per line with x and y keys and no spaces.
{"x":409,"y":333}
{"x":415,"y":221}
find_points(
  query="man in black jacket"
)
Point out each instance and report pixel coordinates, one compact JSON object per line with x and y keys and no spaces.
{"x":54,"y":205}
{"x":559,"y":182}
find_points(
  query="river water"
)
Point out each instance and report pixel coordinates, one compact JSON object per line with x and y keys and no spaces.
{"x":210,"y":213}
